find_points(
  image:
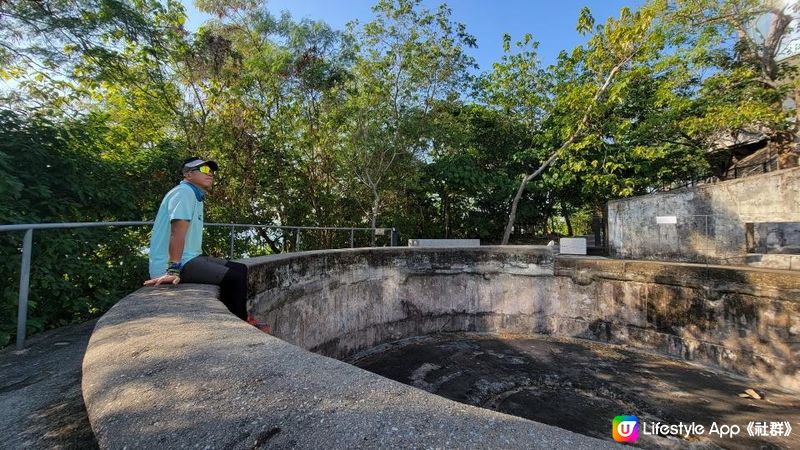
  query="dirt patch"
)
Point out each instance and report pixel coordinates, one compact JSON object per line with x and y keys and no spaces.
{"x":581,"y":386}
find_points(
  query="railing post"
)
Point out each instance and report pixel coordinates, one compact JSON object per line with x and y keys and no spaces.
{"x":297,"y":239}
{"x":707,"y":237}
{"x":351,"y":237}
{"x":393,"y":240}
{"x":233,"y":230}
{"x":24,"y":284}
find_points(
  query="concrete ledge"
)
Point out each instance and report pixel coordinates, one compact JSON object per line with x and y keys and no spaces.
{"x":444,"y":243}
{"x":169,"y":367}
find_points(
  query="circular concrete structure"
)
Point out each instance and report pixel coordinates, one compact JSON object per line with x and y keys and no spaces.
{"x":338,"y":303}
{"x":170,"y":366}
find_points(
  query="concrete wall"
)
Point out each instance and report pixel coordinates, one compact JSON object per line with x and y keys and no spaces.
{"x":711,"y":219}
{"x":340,"y":303}
{"x":170,"y":367}
{"x":774,"y":237}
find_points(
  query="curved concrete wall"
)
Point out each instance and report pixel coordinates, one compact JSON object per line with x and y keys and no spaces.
{"x":338,"y":303}
{"x":171,"y":367}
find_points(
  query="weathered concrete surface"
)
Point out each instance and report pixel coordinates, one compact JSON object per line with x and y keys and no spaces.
{"x":40,"y":392}
{"x":711,"y":218}
{"x":581,"y":385}
{"x":170,"y":367}
{"x":341,"y":302}
{"x":775,"y":237}
{"x":773,"y":261}
{"x":742,"y":319}
{"x":448,"y":243}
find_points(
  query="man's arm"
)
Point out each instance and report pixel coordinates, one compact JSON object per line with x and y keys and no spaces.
{"x":177,"y":240}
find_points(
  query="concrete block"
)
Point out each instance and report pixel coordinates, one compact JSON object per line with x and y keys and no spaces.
{"x":572,"y":246}
{"x":444,"y":243}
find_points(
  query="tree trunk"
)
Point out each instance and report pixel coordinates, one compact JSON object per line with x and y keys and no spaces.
{"x":374,"y":220}
{"x":512,"y":216}
{"x":270,"y":242}
{"x":789,"y":157}
{"x":565,"y":212}
{"x":446,"y":207}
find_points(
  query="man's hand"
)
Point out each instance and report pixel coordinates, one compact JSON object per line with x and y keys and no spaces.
{"x":163,"y":279}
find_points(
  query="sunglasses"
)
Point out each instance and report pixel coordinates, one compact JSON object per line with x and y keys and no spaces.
{"x":206,"y":170}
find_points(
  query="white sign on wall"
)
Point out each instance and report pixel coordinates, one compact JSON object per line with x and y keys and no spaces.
{"x":572,"y":246}
{"x":666,"y":220}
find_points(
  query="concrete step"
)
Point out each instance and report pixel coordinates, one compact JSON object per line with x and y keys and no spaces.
{"x":773,"y":261}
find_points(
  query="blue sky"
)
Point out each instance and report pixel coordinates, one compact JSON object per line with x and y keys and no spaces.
{"x":551,"y":22}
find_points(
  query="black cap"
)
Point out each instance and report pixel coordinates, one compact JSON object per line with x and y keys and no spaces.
{"x":194,"y":162}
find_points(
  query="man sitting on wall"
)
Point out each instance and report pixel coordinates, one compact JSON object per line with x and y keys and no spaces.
{"x":176,"y":244}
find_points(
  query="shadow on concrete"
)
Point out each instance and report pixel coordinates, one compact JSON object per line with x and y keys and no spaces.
{"x":40,"y":394}
{"x":190,"y":386}
{"x":580,"y":386}
{"x":723,"y":312}
{"x":173,"y":363}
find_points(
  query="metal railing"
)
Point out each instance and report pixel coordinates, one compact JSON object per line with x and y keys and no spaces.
{"x":297,"y":229}
{"x":27,"y":248}
{"x":735,"y":172}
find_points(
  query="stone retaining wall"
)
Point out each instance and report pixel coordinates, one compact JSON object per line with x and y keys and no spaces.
{"x":712,"y":220}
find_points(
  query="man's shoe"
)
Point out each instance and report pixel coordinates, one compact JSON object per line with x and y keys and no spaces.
{"x":263,"y":326}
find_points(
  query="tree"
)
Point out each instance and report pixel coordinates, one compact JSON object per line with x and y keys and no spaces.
{"x":53,"y":173}
{"x":407,"y":58}
{"x":737,"y":42}
{"x":615,"y":46}
{"x":58,"y":50}
{"x":470,"y":171}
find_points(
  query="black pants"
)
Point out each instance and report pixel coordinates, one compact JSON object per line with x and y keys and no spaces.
{"x":230,"y":276}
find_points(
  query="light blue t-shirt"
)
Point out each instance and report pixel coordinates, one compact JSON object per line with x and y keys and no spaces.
{"x":180,"y":203}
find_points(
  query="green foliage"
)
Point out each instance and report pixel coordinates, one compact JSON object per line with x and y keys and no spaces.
{"x":55,"y":173}
{"x":380,"y":124}
{"x":470,"y":177}
{"x":407,"y":59}
{"x":60,"y":50}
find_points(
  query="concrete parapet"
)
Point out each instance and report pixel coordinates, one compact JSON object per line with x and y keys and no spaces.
{"x":447,"y":243}
{"x":170,"y":367}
